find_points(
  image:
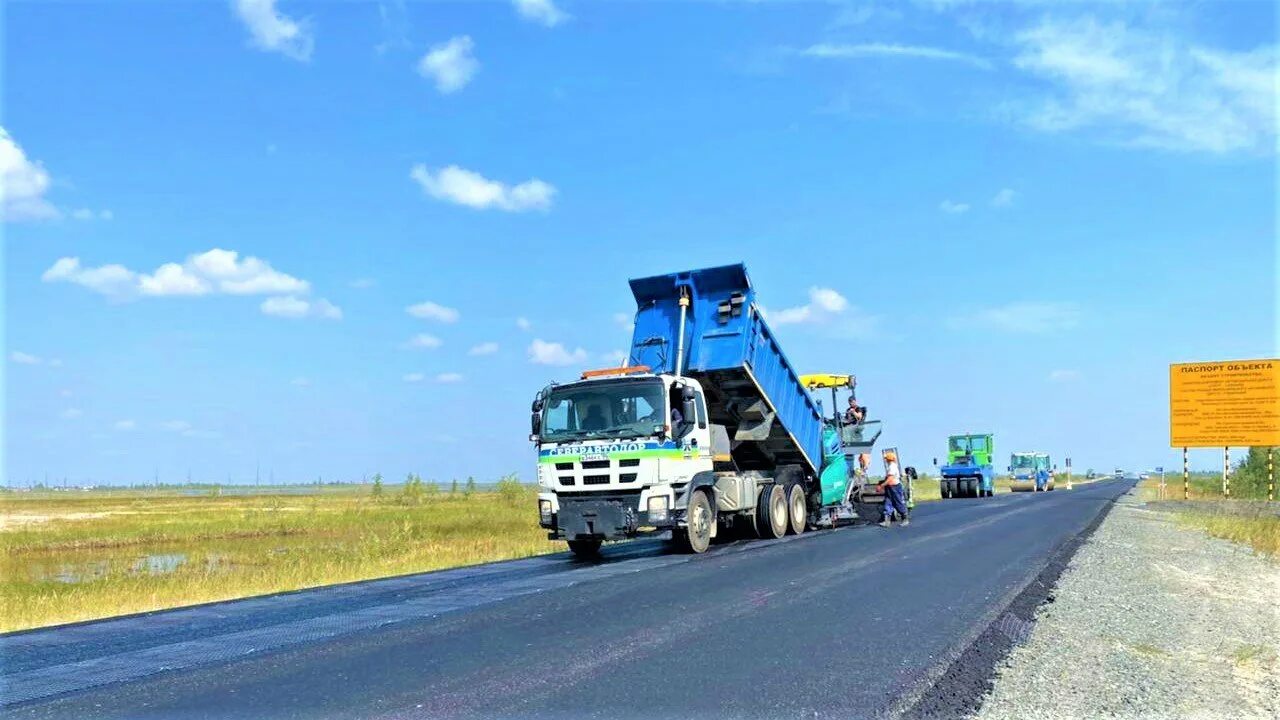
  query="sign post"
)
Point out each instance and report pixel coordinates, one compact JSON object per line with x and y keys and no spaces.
{"x":1233,"y":403}
{"x":1162,"y":488}
{"x":1068,"y":473}
{"x":1271,"y":477}
{"x":1186,"y":477}
{"x":1226,"y":473}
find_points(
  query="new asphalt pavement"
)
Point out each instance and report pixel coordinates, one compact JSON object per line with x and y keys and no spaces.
{"x":857,"y":622}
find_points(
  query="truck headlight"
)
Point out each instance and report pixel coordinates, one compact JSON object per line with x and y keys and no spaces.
{"x":544,"y":511}
{"x":657,"y":508}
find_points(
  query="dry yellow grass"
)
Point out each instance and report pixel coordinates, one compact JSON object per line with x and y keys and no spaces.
{"x":65,"y":558}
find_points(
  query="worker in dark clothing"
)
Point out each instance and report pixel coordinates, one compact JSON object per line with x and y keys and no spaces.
{"x":855,"y":414}
{"x":594,"y":419}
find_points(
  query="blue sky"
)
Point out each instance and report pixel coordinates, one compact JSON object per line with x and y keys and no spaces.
{"x":332,"y":239}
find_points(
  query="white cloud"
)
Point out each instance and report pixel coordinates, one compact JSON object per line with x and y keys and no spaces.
{"x":110,"y":280}
{"x":542,"y":352}
{"x":449,"y":377}
{"x":300,"y":382}
{"x":823,"y":303}
{"x":891,"y":50}
{"x":202,"y":434}
{"x":216,"y":271}
{"x":423,"y":340}
{"x":178,"y":426}
{"x":1022,"y":317}
{"x":832,"y":312}
{"x":1142,"y":87}
{"x":362,"y":283}
{"x":72,"y":414}
{"x":432,"y":311}
{"x":125,"y":425}
{"x":1004,"y":198}
{"x":624,"y":320}
{"x":23,"y":358}
{"x":65,"y":393}
{"x":292,"y":307}
{"x":523,"y":323}
{"x":953,"y":208}
{"x":484,"y":348}
{"x":541,"y":11}
{"x":414,"y":377}
{"x":450,"y":65}
{"x":85,"y":214}
{"x":464,"y":187}
{"x":173,"y":279}
{"x":274,"y":31}
{"x":23,"y":184}
{"x":1064,"y":376}
{"x":249,"y":276}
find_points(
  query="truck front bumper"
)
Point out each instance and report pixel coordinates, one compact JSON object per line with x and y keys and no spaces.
{"x":606,"y":518}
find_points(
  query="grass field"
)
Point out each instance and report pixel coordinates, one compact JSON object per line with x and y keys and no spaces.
{"x":1251,"y":522}
{"x":76,"y":556}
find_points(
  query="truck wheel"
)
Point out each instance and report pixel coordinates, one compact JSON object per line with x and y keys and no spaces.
{"x":771,"y":512}
{"x":697,"y":537}
{"x":973,"y":488}
{"x":797,"y":508}
{"x":585,"y":548}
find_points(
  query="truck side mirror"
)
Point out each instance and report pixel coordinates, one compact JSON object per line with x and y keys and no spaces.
{"x":935,"y":462}
{"x":686,"y":393}
{"x":688,"y":409}
{"x":535,"y":425}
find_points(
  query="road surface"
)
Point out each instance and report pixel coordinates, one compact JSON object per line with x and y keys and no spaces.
{"x":861,"y":621}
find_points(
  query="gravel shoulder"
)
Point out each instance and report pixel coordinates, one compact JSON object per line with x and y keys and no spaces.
{"x":1149,"y":621}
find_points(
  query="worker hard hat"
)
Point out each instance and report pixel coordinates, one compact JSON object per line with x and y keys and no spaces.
{"x":890,"y":456}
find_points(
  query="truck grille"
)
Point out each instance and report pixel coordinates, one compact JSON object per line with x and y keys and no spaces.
{"x":595,"y":465}
{"x":595,"y":480}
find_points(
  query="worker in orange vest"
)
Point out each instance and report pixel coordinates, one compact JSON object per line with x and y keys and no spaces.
{"x":891,"y":486}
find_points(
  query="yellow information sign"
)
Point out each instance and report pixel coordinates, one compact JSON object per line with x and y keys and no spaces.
{"x":1224,"y":404}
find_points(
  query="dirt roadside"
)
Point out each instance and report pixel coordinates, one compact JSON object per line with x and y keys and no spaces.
{"x":1150,"y":620}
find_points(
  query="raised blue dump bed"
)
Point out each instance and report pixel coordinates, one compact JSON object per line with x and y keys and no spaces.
{"x":732,"y":352}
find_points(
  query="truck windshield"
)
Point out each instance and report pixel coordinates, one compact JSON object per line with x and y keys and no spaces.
{"x":1024,"y":461}
{"x":960,"y":444}
{"x":612,"y":409}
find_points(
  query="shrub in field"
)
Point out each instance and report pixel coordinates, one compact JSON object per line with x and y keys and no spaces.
{"x":471,"y":486}
{"x":411,"y":493}
{"x":377,"y":485}
{"x":1249,"y":477}
{"x":511,"y":490}
{"x":453,"y":488}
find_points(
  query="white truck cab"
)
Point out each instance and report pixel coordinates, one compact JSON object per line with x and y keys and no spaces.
{"x":616,"y":451}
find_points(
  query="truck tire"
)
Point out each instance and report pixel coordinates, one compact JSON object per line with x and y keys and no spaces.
{"x":771,"y":512}
{"x":953,"y":488}
{"x":587,"y":549}
{"x":942,"y":489}
{"x":797,"y":509}
{"x":696,"y":538}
